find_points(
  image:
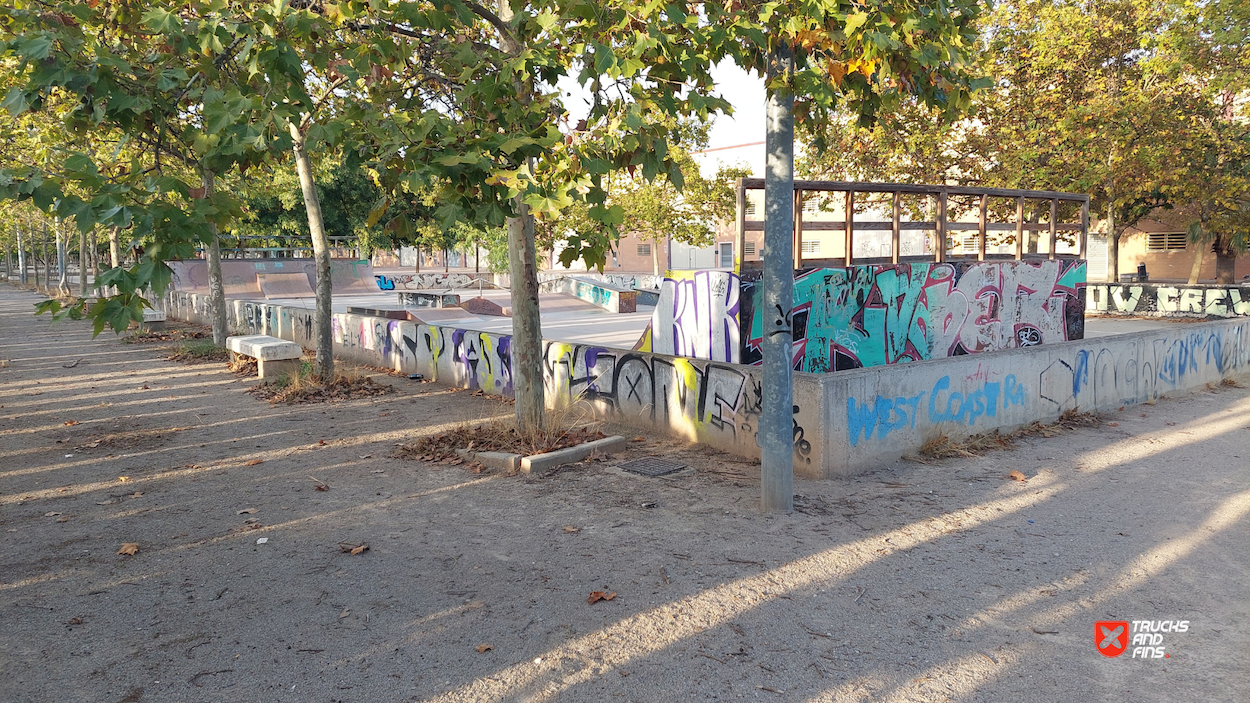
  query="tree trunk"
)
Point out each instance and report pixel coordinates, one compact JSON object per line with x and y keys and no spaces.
{"x":82,"y":263}
{"x":655,"y":258}
{"x":776,"y":436}
{"x":21,"y":257}
{"x":62,"y":261}
{"x":527,"y":335}
{"x":321,"y":253}
{"x":1113,"y":244}
{"x":1225,"y":261}
{"x":1196,"y":270}
{"x":216,"y":286}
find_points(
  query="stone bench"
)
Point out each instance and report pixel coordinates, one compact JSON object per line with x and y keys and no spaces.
{"x":153,"y":320}
{"x":274,"y":357}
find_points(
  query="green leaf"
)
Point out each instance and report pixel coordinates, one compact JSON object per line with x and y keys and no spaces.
{"x":15,"y":102}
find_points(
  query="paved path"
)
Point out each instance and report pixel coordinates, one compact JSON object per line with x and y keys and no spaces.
{"x":934,"y":582}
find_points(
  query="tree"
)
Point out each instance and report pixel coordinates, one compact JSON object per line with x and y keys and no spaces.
{"x":1126,"y":100}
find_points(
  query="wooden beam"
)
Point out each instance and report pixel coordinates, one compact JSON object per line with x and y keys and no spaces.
{"x":939,"y":252}
{"x":1019,"y":229}
{"x":1054,"y":233}
{"x":981,"y":228}
{"x":838,"y":186}
{"x":1081,"y":251}
{"x":740,"y":251}
{"x":895,"y":229}
{"x":798,"y":229}
{"x":850,"y":228}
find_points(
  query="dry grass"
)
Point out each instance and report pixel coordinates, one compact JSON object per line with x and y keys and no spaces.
{"x":198,"y":351}
{"x":172,"y":334}
{"x":566,"y":427}
{"x":943,"y":447}
{"x":1231,"y":383}
{"x":349,"y":383}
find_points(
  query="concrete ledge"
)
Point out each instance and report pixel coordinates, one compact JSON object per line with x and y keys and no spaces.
{"x":262,"y":347}
{"x":542,"y":462}
{"x":492,"y":460}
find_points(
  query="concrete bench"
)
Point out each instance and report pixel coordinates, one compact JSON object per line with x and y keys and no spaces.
{"x":153,"y":320}
{"x":273,"y":356}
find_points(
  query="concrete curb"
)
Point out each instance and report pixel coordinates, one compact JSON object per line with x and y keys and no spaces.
{"x":492,"y":460}
{"x":542,"y":462}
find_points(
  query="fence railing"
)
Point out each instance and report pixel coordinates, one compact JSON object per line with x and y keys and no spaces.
{"x":870,"y":197}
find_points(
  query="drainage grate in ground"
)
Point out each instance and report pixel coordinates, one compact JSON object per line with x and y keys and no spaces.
{"x":651,"y":466}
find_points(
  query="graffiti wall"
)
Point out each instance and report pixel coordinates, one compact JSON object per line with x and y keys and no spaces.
{"x":433,"y":280}
{"x":1160,"y":300}
{"x":709,"y":402}
{"x":881,"y":413}
{"x":608,"y":296}
{"x":848,"y":318}
{"x":697,"y":316}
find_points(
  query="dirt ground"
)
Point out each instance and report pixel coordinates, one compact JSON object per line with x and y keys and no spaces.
{"x":918,"y":582}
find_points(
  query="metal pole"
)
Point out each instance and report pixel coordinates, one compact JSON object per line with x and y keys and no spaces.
{"x":896,"y":225}
{"x":1054,"y":233}
{"x":798,"y":230}
{"x":981,"y":228}
{"x":1082,"y":253}
{"x":1019,"y":228}
{"x":776,"y":425}
{"x":849,"y":227}
{"x":47,"y":271}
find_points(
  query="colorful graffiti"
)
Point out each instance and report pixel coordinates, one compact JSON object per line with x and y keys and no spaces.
{"x":438,"y":280}
{"x":697,"y":316}
{"x":1170,"y":301}
{"x":862,"y":316}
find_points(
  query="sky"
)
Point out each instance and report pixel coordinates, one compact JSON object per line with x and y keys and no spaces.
{"x":743,"y":90}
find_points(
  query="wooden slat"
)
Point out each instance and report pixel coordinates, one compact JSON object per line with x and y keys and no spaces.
{"x":837,"y":186}
{"x":1081,"y":247}
{"x":838,"y":226}
{"x":798,"y":229}
{"x":740,"y":254}
{"x":981,"y":228}
{"x":1054,"y":232}
{"x":849,"y":254}
{"x":1019,"y":229}
{"x":895,"y":244}
{"x":940,"y":252}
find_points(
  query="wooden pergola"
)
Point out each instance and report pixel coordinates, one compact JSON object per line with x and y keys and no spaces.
{"x":941,"y":226}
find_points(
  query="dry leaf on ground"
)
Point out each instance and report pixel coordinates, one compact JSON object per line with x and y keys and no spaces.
{"x":1017,"y":476}
{"x":254,"y":462}
{"x":123,"y":479}
{"x":596,"y":596}
{"x":484,"y":648}
{"x":50,"y":514}
{"x":129,"y":549}
{"x":246,"y":511}
{"x":353,"y":549}
{"x":572,"y":530}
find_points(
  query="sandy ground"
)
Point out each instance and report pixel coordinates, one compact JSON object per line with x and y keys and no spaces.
{"x":926,"y":582}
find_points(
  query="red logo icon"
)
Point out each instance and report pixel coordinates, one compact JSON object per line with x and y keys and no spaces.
{"x":1111,"y":636}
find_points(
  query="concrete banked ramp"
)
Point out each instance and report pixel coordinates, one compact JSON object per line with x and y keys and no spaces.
{"x":610,"y":297}
{"x":242,"y":278}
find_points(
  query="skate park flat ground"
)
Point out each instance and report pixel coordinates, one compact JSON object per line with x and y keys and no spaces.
{"x":934,"y":581}
{"x":568,"y":319}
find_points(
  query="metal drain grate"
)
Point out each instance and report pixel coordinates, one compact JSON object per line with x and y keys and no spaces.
{"x":651,"y":466}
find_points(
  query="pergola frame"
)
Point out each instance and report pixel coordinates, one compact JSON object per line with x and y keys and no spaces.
{"x":941,"y":225}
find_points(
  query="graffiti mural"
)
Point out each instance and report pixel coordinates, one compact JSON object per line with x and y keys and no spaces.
{"x":436,"y":280}
{"x":847,"y":318}
{"x":1156,"y":300}
{"x":697,"y":316}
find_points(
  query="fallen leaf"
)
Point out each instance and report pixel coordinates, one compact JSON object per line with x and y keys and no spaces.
{"x":106,"y":502}
{"x":129,"y":549}
{"x":344,"y":614}
{"x":74,"y":621}
{"x":322,"y":487}
{"x":50,"y":514}
{"x":572,"y":530}
{"x":596,"y":596}
{"x":1113,"y":424}
{"x":254,"y":462}
{"x":136,"y":494}
{"x":640,"y":438}
{"x":358,"y":550}
{"x":1017,"y":476}
{"x":71,"y":423}
{"x":367,"y":456}
{"x":123,"y":479}
{"x":246,"y":511}
{"x":481,"y":648}
{"x":62,"y":519}
{"x":321,"y":442}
